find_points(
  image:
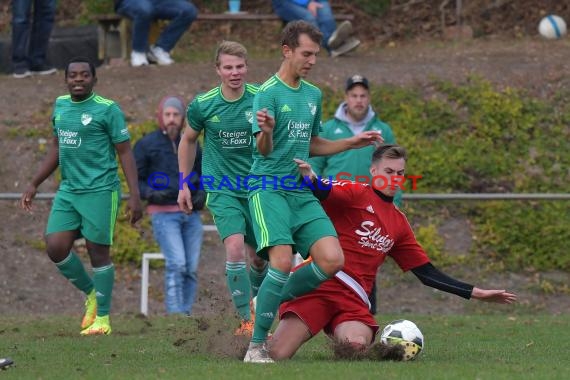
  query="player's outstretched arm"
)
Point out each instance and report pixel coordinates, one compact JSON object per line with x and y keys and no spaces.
{"x":493,"y":295}
{"x":127,"y":159}
{"x":429,"y":275}
{"x":264,"y":139}
{"x":323,"y":147}
{"x":48,"y":166}
{"x":186,"y":158}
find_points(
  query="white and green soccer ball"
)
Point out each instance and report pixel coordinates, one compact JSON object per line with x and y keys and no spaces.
{"x":406,"y":334}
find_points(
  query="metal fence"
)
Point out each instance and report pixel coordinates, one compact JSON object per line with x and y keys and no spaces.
{"x":406,"y":196}
{"x":211,"y":228}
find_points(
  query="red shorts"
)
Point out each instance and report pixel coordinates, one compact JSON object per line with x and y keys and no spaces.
{"x":329,"y":306}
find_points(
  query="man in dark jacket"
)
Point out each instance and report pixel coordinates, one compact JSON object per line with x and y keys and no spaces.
{"x":179,"y":235}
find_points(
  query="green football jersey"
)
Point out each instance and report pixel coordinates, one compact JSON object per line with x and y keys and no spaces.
{"x":297,"y":113}
{"x":87,"y":132}
{"x":228,"y":144}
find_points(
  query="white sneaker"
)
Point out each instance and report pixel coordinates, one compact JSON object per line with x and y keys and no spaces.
{"x":340,"y":35}
{"x":158,"y":55}
{"x":350,"y":44}
{"x":257,"y":353}
{"x":138,"y":59}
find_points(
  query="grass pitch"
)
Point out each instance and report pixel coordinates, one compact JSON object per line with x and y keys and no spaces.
{"x":456,"y":347}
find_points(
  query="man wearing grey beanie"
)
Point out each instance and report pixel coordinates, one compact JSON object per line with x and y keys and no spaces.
{"x":179,"y":235}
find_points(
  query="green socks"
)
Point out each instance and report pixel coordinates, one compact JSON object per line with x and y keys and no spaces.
{"x":104,"y":278}
{"x":72,"y":268}
{"x":268,"y":300}
{"x":238,"y":284}
{"x":256,"y":277}
{"x":303,"y":280}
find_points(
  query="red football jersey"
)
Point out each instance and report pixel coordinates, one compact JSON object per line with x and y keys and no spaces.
{"x":369,"y":229}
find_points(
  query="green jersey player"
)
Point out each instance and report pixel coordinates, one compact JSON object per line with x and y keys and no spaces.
{"x":286,"y":216}
{"x":225,"y":116}
{"x":88,"y":132}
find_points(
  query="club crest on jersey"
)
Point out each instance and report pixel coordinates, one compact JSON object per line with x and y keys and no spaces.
{"x":249,"y":116}
{"x":86,"y":119}
{"x":313,"y":108}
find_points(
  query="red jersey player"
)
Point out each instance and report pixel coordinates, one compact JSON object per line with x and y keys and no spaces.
{"x":369,"y":228}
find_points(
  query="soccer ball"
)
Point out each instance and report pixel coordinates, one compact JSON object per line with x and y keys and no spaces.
{"x":405,"y":333}
{"x":552,"y":27}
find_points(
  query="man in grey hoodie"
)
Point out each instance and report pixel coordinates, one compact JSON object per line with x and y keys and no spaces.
{"x":353,"y":116}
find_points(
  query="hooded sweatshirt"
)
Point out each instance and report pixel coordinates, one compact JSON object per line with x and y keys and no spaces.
{"x":354,"y":162}
{"x":157,"y":153}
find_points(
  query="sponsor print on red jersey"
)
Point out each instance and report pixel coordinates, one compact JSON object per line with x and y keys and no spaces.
{"x":370,"y":228}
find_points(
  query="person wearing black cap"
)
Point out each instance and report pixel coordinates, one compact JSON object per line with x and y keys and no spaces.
{"x":353,"y":116}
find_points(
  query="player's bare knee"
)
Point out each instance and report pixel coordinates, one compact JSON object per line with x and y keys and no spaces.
{"x":279,"y":351}
{"x":57,"y":249}
{"x":331,"y":262}
{"x":281,"y":259}
{"x":235,"y":252}
{"x":282,"y":264}
{"x":258,"y":263}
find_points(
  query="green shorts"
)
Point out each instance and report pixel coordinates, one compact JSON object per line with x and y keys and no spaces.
{"x":231,"y":216}
{"x":92,"y":214}
{"x":288,"y":218}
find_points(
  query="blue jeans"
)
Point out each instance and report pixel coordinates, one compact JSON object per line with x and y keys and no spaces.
{"x":289,"y":11}
{"x":143,"y":12}
{"x":180,"y":239}
{"x":31,"y":32}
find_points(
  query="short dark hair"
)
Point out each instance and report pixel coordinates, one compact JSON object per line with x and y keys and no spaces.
{"x":391,"y":151}
{"x":81,"y":60}
{"x":292,"y":31}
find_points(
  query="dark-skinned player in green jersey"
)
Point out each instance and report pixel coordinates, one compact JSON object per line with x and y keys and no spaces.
{"x":225,"y":115}
{"x":286,"y":215}
{"x":89,"y":131}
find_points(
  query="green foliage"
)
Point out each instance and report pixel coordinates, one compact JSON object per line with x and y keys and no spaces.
{"x":530,"y":235}
{"x":432,"y":242}
{"x":94,"y":7}
{"x":372,"y":7}
{"x":475,"y":138}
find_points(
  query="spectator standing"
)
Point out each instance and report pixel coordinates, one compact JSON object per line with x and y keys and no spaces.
{"x":178,"y":234}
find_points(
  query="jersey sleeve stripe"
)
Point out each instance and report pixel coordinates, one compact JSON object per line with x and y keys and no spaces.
{"x":269,"y":83}
{"x":208,"y":95}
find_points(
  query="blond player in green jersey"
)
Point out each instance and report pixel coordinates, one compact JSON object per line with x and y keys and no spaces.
{"x":89,"y":131}
{"x":289,"y":218}
{"x":225,"y":115}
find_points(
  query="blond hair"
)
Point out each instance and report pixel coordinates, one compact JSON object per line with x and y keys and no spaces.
{"x":230,"y":48}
